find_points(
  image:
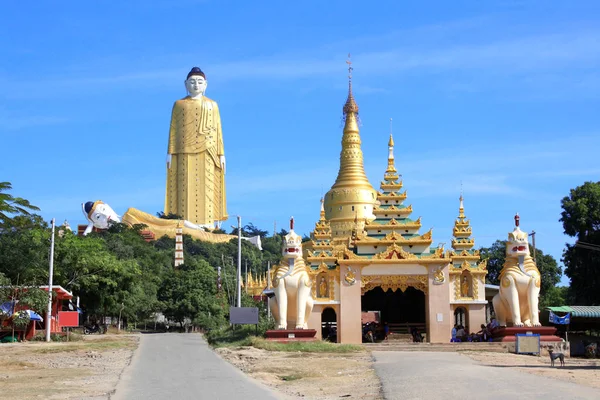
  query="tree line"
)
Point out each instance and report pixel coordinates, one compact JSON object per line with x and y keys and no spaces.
{"x":117,"y":271}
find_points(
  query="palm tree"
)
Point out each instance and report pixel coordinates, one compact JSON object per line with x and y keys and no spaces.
{"x":12,"y":205}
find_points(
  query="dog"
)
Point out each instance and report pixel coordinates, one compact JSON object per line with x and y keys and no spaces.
{"x":554,"y":356}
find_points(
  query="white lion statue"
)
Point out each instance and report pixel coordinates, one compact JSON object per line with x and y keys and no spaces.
{"x":292,"y":285}
{"x":518,"y":298}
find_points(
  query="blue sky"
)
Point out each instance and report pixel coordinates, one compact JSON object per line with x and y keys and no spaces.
{"x":503,"y":98}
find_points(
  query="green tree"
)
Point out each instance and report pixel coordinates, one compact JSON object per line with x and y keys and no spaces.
{"x":581,"y":219}
{"x":11,"y":206}
{"x":495,"y":255}
{"x":190,"y":292}
{"x":24,"y":255}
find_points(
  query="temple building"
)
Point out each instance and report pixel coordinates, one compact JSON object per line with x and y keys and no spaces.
{"x":368,"y":255}
{"x":369,"y":259}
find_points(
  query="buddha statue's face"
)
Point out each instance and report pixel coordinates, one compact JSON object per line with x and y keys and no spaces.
{"x":196,"y":85}
{"x":103,"y":215}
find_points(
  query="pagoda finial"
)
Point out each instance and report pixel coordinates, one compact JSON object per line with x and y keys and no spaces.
{"x":291,"y":223}
{"x":517,"y":218}
{"x":350,"y":106}
{"x":391,"y":167}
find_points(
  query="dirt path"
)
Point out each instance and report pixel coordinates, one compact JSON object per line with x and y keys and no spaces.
{"x":320,"y":376}
{"x":88,"y":369}
{"x":576,"y":370}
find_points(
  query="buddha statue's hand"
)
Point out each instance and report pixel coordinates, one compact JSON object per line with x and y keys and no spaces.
{"x":223,"y":163}
{"x":169,"y":161}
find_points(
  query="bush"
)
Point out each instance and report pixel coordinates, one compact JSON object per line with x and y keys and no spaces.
{"x":55,"y":337}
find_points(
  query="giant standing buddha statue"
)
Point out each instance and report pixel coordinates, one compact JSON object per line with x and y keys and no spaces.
{"x":195,"y":157}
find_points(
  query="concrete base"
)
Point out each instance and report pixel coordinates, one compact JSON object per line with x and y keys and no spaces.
{"x":547,"y":333}
{"x":291,"y":335}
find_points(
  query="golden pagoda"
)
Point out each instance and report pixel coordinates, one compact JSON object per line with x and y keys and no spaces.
{"x":466,"y":267}
{"x":351,"y":198}
{"x":392,"y":234}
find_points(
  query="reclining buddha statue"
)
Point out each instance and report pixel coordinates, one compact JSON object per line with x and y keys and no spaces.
{"x":100,"y":215}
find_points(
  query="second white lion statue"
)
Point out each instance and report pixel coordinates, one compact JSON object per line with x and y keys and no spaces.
{"x":293,"y":302}
{"x":518,"y":298}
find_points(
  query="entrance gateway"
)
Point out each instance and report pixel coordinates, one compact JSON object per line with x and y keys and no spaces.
{"x":367,"y":253}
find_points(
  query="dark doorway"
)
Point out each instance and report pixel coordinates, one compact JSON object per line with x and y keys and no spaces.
{"x":406,"y":307}
{"x":329,"y":325}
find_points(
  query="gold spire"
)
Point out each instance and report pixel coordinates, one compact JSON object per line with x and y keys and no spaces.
{"x":352,"y":172}
{"x":350,"y":106}
{"x":322,"y":214}
{"x":462,"y":230}
{"x":352,"y":194}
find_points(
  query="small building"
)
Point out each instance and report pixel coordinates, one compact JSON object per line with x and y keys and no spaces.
{"x":60,"y":296}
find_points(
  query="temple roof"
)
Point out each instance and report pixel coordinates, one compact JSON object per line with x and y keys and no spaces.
{"x":392,"y":225}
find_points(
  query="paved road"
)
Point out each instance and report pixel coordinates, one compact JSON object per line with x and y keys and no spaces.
{"x":181,"y":366}
{"x":431,"y":376}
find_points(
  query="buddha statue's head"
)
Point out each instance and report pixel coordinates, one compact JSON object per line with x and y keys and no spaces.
{"x":196,"y":82}
{"x":292,"y":243}
{"x":99,"y":214}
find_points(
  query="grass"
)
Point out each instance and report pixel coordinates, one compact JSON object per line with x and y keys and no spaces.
{"x":246,"y":337}
{"x":288,"y":378}
{"x":305,"y":347}
{"x":95,"y":345}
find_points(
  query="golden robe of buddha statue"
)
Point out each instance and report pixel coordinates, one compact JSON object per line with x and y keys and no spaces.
{"x":195,"y":157}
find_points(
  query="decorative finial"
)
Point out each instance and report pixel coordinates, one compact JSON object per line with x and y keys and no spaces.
{"x":517,"y":218}
{"x":292,"y":224}
{"x":391,"y":142}
{"x":349,"y":69}
{"x":322,"y":204}
{"x":350,"y":106}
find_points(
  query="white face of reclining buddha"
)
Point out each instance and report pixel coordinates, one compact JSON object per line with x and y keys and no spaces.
{"x":517,"y":244}
{"x":292,"y":245}
{"x":103,"y":215}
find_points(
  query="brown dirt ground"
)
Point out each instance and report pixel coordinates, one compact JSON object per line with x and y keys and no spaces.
{"x":576,"y":370}
{"x":320,"y":376}
{"x":76,"y":370}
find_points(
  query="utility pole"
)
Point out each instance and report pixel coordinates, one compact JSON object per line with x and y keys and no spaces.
{"x":239,"y":264}
{"x":268,"y":287}
{"x":50,"y":274}
{"x":533,"y":243}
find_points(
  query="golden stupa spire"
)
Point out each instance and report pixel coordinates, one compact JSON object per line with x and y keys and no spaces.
{"x":352,"y":172}
{"x":462,"y":229}
{"x":322,"y":214}
{"x":352,"y":194}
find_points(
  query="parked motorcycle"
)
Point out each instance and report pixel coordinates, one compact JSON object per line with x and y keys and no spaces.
{"x":91,"y":329}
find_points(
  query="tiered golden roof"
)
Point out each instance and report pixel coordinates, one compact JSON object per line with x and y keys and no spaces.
{"x":462,"y":253}
{"x":255,"y":286}
{"x":392,"y":233}
{"x":321,"y":246}
{"x":462,"y":231}
{"x":351,"y":197}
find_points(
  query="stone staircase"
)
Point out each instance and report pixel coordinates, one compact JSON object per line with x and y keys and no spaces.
{"x":397,"y":345}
